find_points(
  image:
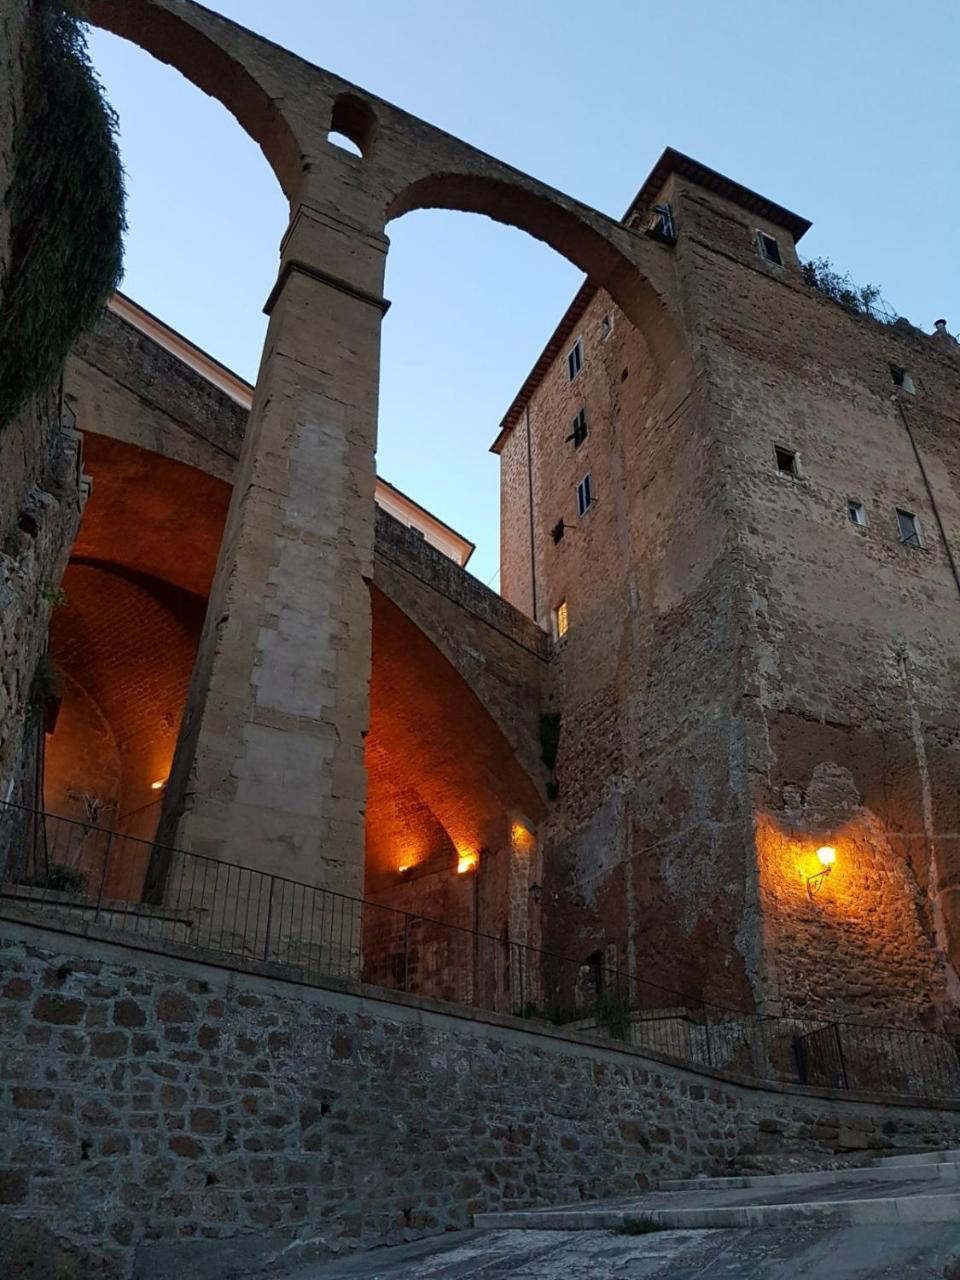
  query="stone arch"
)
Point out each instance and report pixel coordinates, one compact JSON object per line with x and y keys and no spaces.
{"x":606,"y":251}
{"x":195,"y":42}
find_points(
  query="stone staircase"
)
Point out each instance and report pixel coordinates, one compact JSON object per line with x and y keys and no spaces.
{"x":919,"y":1188}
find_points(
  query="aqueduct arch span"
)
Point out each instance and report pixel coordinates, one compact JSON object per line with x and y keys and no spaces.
{"x":269,"y":768}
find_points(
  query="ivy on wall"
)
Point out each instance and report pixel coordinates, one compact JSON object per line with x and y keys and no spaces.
{"x":66,"y":202}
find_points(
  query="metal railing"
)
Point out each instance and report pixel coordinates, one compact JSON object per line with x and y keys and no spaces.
{"x":73,"y":874}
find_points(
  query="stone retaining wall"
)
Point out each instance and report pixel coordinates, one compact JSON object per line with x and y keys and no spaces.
{"x":160,"y":1115}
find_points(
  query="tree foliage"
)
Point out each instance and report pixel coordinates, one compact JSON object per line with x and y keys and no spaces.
{"x":864,"y":299}
{"x":66,"y":202}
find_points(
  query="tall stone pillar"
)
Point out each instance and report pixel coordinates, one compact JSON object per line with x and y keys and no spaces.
{"x":269,"y":770}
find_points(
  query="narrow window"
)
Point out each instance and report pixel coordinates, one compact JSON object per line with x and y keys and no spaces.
{"x":769,"y":248}
{"x":584,"y":495}
{"x":561,"y":620}
{"x":594,"y":970}
{"x":556,"y":533}
{"x":606,"y":328}
{"x":575,"y":359}
{"x":788,"y":463}
{"x":856,"y":513}
{"x":902,"y":379}
{"x":661,"y":223}
{"x":908,"y":528}
{"x":579,"y":432}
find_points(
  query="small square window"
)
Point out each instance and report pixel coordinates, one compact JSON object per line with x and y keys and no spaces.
{"x":579,"y":432}
{"x":902,"y":379}
{"x":556,"y":533}
{"x":788,"y":463}
{"x":561,"y":620}
{"x":769,"y":248}
{"x":575,"y":359}
{"x":908,"y":528}
{"x":856,"y":513}
{"x":584,"y":494}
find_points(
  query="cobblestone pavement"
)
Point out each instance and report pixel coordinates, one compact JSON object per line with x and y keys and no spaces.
{"x":897,"y":1252}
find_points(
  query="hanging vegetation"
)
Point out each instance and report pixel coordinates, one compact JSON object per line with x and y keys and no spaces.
{"x":66,"y":204}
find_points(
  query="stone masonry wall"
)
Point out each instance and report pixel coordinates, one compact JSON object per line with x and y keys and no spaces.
{"x":644,"y":850}
{"x":168,"y":1114}
{"x":850,"y":683}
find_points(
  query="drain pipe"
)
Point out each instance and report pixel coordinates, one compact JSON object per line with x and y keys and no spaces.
{"x":930,"y":494}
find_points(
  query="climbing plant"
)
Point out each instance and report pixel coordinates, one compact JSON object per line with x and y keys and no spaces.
{"x":66,"y":205}
{"x":864,"y":299}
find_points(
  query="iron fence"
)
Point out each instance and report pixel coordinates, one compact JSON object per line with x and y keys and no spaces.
{"x":72,"y":873}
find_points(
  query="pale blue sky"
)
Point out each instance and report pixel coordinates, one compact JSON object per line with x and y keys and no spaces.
{"x":846,"y":111}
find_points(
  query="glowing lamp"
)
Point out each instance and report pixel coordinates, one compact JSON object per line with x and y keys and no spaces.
{"x":826,"y":856}
{"x":158,"y":785}
{"x":405,"y":867}
{"x":467,"y":862}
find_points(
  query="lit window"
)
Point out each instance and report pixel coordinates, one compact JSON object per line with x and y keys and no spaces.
{"x":556,"y":533}
{"x":908,"y":529}
{"x":788,"y":463}
{"x":584,"y":494}
{"x":579,"y":432}
{"x":769,"y":249}
{"x":856,"y":513}
{"x":902,"y":379}
{"x":561,"y":620}
{"x":575,"y":359}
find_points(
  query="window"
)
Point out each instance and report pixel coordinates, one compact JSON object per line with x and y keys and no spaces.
{"x":579,"y":432}
{"x":769,"y":249}
{"x":908,"y":529}
{"x":561,"y":620}
{"x":556,"y":533}
{"x":661,"y":224}
{"x":856,"y":513}
{"x":606,"y":328}
{"x":584,"y":495}
{"x":593,"y":971}
{"x":902,"y":379}
{"x":788,"y":463}
{"x":575,"y":359}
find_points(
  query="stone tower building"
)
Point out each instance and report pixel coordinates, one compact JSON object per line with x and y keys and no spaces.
{"x":750,"y":574}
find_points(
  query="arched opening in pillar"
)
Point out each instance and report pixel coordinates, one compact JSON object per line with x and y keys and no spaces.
{"x":204,"y":208}
{"x":450,"y":851}
{"x":471,"y":302}
{"x":124,"y":641}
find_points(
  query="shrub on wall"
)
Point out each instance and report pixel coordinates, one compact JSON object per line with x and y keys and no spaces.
{"x":66,"y":202}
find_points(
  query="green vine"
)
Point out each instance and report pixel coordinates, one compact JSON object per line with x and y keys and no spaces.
{"x":66,"y":202}
{"x":862,"y":299}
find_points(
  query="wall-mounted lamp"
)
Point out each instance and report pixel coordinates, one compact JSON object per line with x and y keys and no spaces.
{"x":158,"y":785}
{"x":467,"y":861}
{"x":826,"y":856}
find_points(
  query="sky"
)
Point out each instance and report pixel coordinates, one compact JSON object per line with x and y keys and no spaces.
{"x":846,"y":111}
